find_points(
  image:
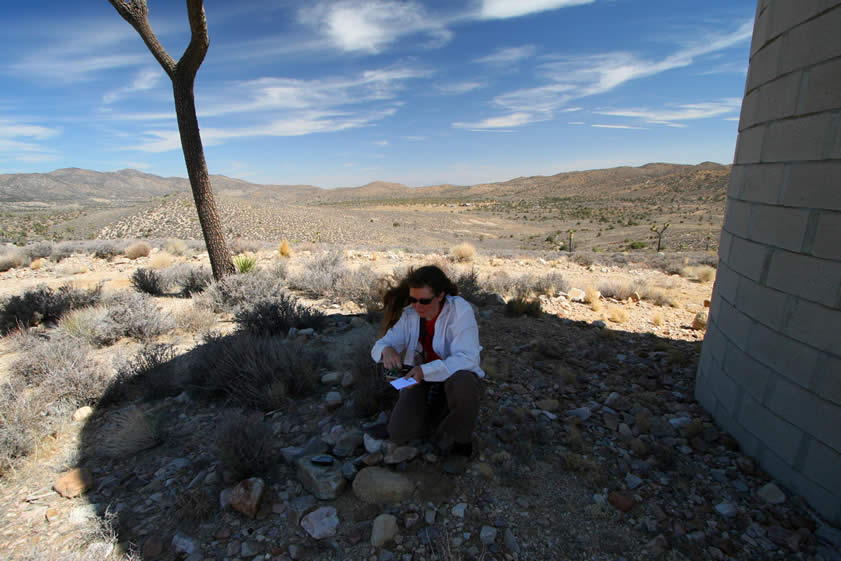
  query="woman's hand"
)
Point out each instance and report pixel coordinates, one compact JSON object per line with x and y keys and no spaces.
{"x":415,"y":373}
{"x":391,"y":359}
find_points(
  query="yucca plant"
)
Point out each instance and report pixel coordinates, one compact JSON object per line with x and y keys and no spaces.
{"x":245,"y":263}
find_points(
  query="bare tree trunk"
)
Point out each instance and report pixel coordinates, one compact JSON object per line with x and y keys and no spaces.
{"x":183,"y":76}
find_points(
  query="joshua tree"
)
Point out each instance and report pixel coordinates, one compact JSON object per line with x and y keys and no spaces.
{"x":659,"y":233}
{"x":183,"y":76}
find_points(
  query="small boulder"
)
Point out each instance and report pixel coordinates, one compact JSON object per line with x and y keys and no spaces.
{"x":245,"y":497}
{"x":379,"y":485}
{"x":383,"y":530}
{"x":321,"y":523}
{"x":73,"y":483}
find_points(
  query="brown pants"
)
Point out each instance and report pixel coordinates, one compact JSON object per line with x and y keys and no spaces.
{"x":412,"y":417}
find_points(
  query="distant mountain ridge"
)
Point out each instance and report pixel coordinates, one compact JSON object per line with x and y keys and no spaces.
{"x":86,"y":187}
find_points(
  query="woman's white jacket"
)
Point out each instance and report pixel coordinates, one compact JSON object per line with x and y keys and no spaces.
{"x":456,"y":340}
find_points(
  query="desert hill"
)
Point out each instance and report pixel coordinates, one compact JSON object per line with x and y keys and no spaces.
{"x":86,"y":187}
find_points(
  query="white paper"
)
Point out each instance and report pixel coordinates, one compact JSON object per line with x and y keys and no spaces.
{"x":401,"y":383}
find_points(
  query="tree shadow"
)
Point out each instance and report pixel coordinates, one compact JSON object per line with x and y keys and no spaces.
{"x":152,"y":447}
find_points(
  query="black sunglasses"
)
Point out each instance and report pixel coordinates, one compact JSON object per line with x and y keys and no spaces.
{"x":421,"y":301}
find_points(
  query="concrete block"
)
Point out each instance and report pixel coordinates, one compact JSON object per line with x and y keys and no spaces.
{"x":817,"y":280}
{"x":815,"y":325}
{"x":814,"y":185}
{"x":764,"y":64}
{"x":749,"y":145}
{"x":827,"y":378}
{"x":820,"y":88}
{"x":833,"y":142}
{"x":794,"y":360}
{"x":761,"y":303}
{"x":812,"y":42}
{"x":827,"y":243}
{"x":779,"y":226}
{"x":749,"y":115}
{"x":748,"y":374}
{"x":737,"y":218}
{"x":799,"y":139}
{"x":761,"y":28}
{"x":726,"y":283}
{"x":735,"y":325}
{"x":727,"y":392}
{"x":805,"y":410}
{"x":748,"y":258}
{"x":715,"y":344}
{"x":822,"y":465}
{"x":819,"y":497}
{"x":762,"y":183}
{"x":787,"y":15}
{"x":724,"y":245}
{"x":772,"y":430}
{"x":778,"y":98}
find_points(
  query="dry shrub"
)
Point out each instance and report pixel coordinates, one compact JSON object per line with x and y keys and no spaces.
{"x":128,"y":432}
{"x":463,"y":252}
{"x":519,"y":306}
{"x":38,"y":250}
{"x":284,"y":249}
{"x":591,"y":294}
{"x":371,"y":392}
{"x":12,"y":260}
{"x":657,"y":319}
{"x":92,"y":325}
{"x":705,"y":273}
{"x":42,"y":304}
{"x":21,"y":422}
{"x":234,"y":291}
{"x":71,"y":269}
{"x":175,"y":247}
{"x":194,"y":504}
{"x":244,"y":447}
{"x":148,"y":281}
{"x":137,"y":315}
{"x":617,"y":314}
{"x":276,"y":315}
{"x":35,"y":265}
{"x":619,"y":289}
{"x":194,"y":319}
{"x":597,"y":305}
{"x":139,"y":249}
{"x":327,"y":276}
{"x":161,"y":260}
{"x":255,"y":372}
{"x":150,"y":374}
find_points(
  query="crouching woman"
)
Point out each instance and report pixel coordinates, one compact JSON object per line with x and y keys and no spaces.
{"x":433,"y":332}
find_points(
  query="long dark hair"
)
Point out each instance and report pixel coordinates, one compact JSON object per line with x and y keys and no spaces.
{"x":395,"y":298}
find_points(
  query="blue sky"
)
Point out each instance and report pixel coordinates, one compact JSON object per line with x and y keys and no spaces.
{"x":343,"y":92}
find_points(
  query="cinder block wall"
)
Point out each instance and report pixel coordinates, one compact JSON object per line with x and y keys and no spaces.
{"x":770,"y":370}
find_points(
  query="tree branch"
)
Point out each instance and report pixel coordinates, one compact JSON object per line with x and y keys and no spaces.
{"x":199,"y":42}
{"x":136,"y":13}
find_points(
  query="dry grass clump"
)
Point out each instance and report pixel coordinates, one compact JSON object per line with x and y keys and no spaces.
{"x":657,"y":318}
{"x":92,"y":325}
{"x":520,"y":306}
{"x":35,"y":265}
{"x":138,"y":249}
{"x":161,"y":260}
{"x":255,"y":372}
{"x":699,"y":273}
{"x":175,"y":247}
{"x":617,"y":314}
{"x":128,"y":432}
{"x":284,"y":250}
{"x":463,"y":252}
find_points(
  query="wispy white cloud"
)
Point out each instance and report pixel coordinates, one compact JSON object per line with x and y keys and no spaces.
{"x":145,"y":80}
{"x":629,"y":127}
{"x":574,"y":77}
{"x":499,"y":9}
{"x":413,"y":138}
{"x":19,"y":139}
{"x":507,"y":121}
{"x":371,"y":25}
{"x":458,"y":88}
{"x":682,"y":112}
{"x":298,"y":124}
{"x":508,"y":55}
{"x":15,"y":129}
{"x":382,"y":143}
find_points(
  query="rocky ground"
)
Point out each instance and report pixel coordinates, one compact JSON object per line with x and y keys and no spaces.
{"x":590,"y":447}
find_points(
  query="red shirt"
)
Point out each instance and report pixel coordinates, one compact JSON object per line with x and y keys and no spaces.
{"x":426,"y":336}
